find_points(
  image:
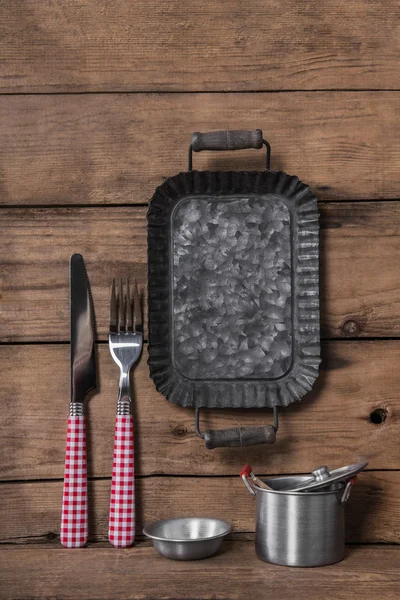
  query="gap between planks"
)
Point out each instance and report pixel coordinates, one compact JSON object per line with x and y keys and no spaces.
{"x":146,"y":204}
{"x":162,"y":92}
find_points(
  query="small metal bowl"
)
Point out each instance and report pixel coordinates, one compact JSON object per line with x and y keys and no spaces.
{"x":189,"y":538}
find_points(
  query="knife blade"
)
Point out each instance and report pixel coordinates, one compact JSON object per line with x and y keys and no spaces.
{"x":83,"y":363}
{"x":74,"y":518}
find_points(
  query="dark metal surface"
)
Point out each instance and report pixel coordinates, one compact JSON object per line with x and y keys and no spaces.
{"x":83,"y":363}
{"x":233,"y":289}
{"x":232,"y":313}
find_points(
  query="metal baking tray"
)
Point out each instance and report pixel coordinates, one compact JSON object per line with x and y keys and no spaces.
{"x":233,"y":289}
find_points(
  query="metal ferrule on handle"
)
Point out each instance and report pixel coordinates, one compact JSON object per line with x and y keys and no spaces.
{"x":74,"y":518}
{"x":121,"y":530}
{"x":124,"y":407}
{"x":76,"y":409}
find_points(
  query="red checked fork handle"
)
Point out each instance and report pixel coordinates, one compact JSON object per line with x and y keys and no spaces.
{"x":121,"y":531}
{"x":74,"y":519}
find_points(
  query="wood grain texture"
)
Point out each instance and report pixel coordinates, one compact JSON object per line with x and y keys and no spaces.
{"x":360,"y":279}
{"x":35,"y":256}
{"x":329,"y":426}
{"x":116,"y":148}
{"x":233,"y":574}
{"x":99,"y":45}
{"x":70,"y":148}
{"x":30,"y":512}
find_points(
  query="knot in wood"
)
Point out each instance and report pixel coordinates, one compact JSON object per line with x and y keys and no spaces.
{"x":180,"y":431}
{"x":351,"y":327}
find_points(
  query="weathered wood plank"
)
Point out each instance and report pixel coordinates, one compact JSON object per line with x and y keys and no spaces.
{"x":330,"y":426}
{"x":97,"y":45}
{"x":372,"y":513}
{"x":233,"y":574}
{"x":360,"y":280}
{"x":35,"y":251}
{"x":116,"y":148}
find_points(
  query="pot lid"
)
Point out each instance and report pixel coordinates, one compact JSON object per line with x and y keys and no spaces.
{"x":322,"y":477}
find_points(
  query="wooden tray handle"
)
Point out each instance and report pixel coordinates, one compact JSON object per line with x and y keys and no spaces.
{"x":239,"y":436}
{"x":227,"y":140}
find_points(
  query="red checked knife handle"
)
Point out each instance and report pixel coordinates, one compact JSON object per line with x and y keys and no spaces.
{"x":74,"y":519}
{"x":121,"y":530}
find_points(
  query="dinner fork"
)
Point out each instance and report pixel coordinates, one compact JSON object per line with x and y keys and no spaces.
{"x":125,"y":342}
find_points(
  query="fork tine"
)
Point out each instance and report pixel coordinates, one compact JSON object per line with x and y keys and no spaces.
{"x":113,"y":310}
{"x":121,"y":306}
{"x":137,"y":308}
{"x":128,"y":309}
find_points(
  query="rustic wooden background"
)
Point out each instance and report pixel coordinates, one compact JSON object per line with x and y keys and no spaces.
{"x":98,"y":100}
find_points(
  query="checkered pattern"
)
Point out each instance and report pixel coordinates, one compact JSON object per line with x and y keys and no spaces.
{"x":74,"y":521}
{"x":121,"y":530}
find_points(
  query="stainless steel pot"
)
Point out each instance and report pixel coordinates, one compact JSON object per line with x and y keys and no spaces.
{"x":299,"y":528}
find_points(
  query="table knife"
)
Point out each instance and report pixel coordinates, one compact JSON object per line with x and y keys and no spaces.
{"x":74,"y":519}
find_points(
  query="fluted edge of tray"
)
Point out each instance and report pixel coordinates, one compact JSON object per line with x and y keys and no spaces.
{"x":246,"y":393}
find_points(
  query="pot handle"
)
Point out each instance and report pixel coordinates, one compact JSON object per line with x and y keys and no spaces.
{"x":347,"y":490}
{"x":228,"y":140}
{"x":238,"y":436}
{"x":245,"y":477}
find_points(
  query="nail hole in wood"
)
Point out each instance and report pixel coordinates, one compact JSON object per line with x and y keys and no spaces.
{"x":378,"y":416}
